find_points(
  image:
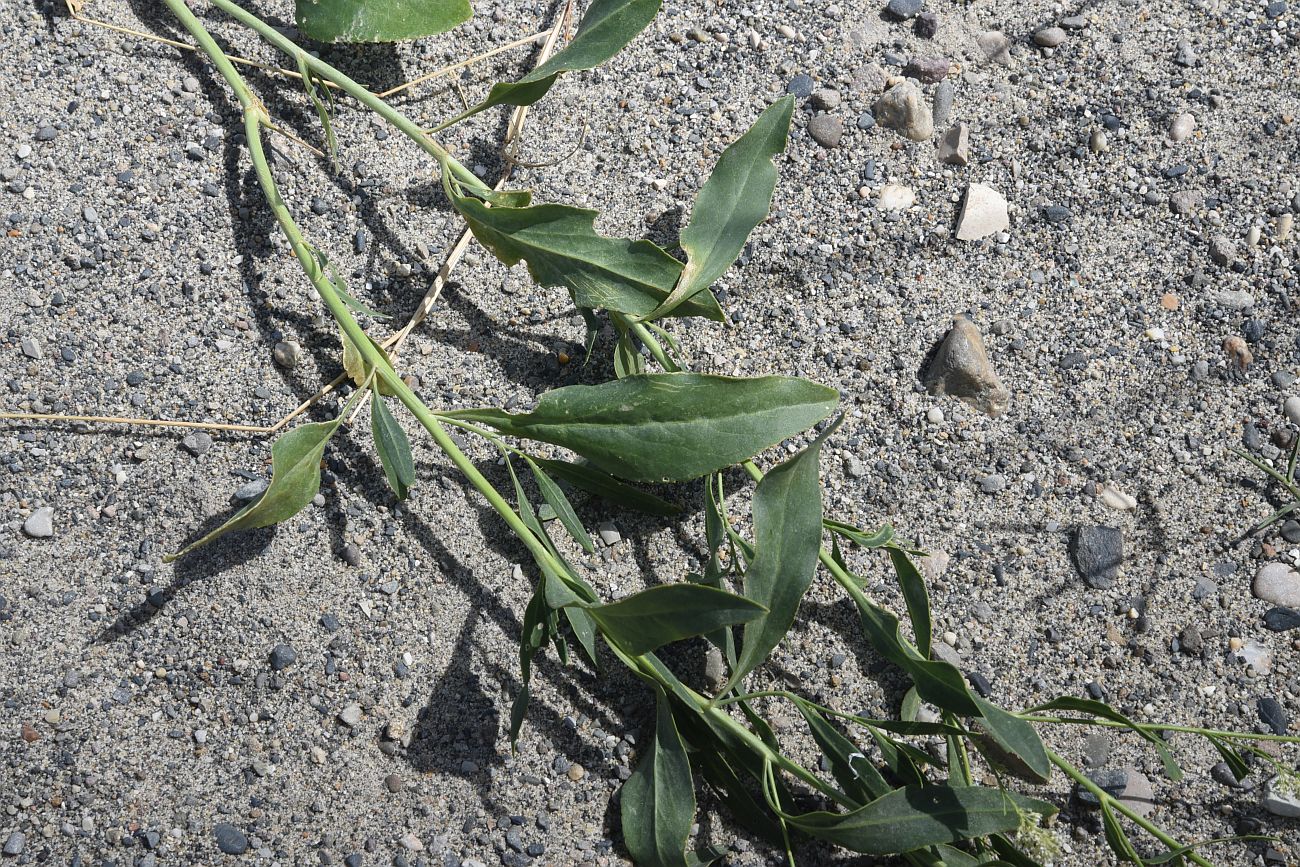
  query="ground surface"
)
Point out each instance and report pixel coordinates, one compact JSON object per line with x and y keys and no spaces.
{"x":142,"y":268}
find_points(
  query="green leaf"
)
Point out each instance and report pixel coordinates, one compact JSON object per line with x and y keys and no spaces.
{"x":378,"y":20}
{"x":734,"y":200}
{"x":322,"y":111}
{"x":562,"y":248}
{"x":787,"y":537}
{"x":914,"y":817}
{"x":658,"y":800}
{"x":671,"y":612}
{"x":1233,"y":759}
{"x":393,"y":447}
{"x":608,"y":26}
{"x":909,"y":710}
{"x":1017,"y":738}
{"x":668,"y":426}
{"x":914,"y":593}
{"x":878,"y":539}
{"x":1101,"y":709}
{"x":602,"y":484}
{"x":1116,"y":838}
{"x":555,"y":498}
{"x":936,"y":682}
{"x":855,"y":773}
{"x":627,"y":361}
{"x":295,"y":479}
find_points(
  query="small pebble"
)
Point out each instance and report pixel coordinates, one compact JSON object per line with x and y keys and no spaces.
{"x":350,"y":716}
{"x":926,"y":25}
{"x":40,"y":524}
{"x":287,"y":353}
{"x":198,"y":443}
{"x":282,"y":656}
{"x":904,"y":8}
{"x":230,"y":839}
{"x":609,"y":534}
{"x":1049,"y":37}
{"x":826,"y":129}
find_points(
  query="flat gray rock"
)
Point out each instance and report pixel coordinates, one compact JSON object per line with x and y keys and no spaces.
{"x":40,"y":524}
{"x":1277,"y":583}
{"x":961,"y":369}
{"x":1098,"y":553}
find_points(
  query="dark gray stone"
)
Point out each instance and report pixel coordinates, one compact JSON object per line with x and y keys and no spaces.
{"x":801,"y":86}
{"x":230,"y":839}
{"x":1098,"y":552}
{"x":927,"y":25}
{"x":1282,"y":619}
{"x":282,"y":656}
{"x":904,"y":8}
{"x":1272,"y":715}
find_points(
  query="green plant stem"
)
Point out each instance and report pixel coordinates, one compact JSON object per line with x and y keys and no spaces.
{"x":1122,"y":808}
{"x":401,"y":122}
{"x":1157,"y":728}
{"x":254,"y":117}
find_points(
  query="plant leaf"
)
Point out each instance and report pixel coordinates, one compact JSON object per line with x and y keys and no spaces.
{"x":1233,"y":759}
{"x":378,"y":20}
{"x":936,"y":682}
{"x":555,"y":498}
{"x":916,"y":597}
{"x":914,"y":817}
{"x":877,"y":539}
{"x":671,"y":612}
{"x":602,"y":484}
{"x":295,"y":479}
{"x":787,"y":536}
{"x":608,"y":26}
{"x":734,"y":200}
{"x":562,"y":248}
{"x":658,"y":800}
{"x":668,"y":426}
{"x":1101,"y":709}
{"x":627,"y":361}
{"x":855,"y":773}
{"x":1116,"y":838}
{"x":393,"y":447}
{"x":1018,"y":738}
{"x":909,"y":710}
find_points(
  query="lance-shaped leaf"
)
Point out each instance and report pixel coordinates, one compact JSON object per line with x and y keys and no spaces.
{"x":295,"y":479}
{"x":668,"y":426}
{"x":562,"y":248}
{"x":914,"y":817}
{"x":914,"y":593}
{"x":1016,"y":745}
{"x":857,"y":776}
{"x":560,"y":504}
{"x":937,"y":682}
{"x":787,"y":536}
{"x":393,"y":447}
{"x":378,"y":20}
{"x":608,"y":26}
{"x":602,"y":484}
{"x":658,"y":800}
{"x":1101,"y":709}
{"x":731,"y":203}
{"x":671,"y":612}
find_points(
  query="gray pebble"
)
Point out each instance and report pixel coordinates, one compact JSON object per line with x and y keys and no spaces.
{"x":45,"y":133}
{"x":609,"y":534}
{"x":251,"y":490}
{"x":801,"y":86}
{"x":1282,"y":619}
{"x":393,"y":783}
{"x":287,"y":353}
{"x":1272,"y":715}
{"x":1185,"y":55}
{"x":360,"y":241}
{"x":1277,"y":583}
{"x":1291,"y":409}
{"x":350,"y":716}
{"x":927,"y":25}
{"x":351,"y":554}
{"x":197,"y":444}
{"x":31,"y":348}
{"x":1074,"y":22}
{"x":40,"y":524}
{"x":866,"y":120}
{"x":15,"y":843}
{"x":943,"y":99}
{"x":992,"y":484}
{"x":904,"y":8}
{"x":927,"y":70}
{"x":1291,"y":531}
{"x":1049,"y":37}
{"x":230,"y":839}
{"x":190,"y":84}
{"x":826,"y":98}
{"x":282,"y":656}
{"x":826,"y":130}
{"x":1096,"y":749}
{"x":1098,"y":553}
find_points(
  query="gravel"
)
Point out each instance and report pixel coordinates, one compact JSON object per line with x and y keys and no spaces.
{"x":143,"y":270}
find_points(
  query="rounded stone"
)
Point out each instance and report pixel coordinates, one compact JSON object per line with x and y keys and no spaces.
{"x":230,"y":839}
{"x":287,"y":353}
{"x":1278,"y":584}
{"x":1049,"y":37}
{"x":40,"y":524}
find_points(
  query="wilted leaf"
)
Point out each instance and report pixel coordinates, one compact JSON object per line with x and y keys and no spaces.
{"x":295,"y":479}
{"x":378,"y":20}
{"x":671,"y":612}
{"x":731,"y":203}
{"x":668,"y":426}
